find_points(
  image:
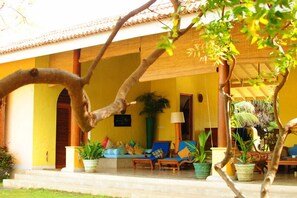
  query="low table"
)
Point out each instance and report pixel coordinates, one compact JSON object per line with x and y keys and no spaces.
{"x":286,"y":162}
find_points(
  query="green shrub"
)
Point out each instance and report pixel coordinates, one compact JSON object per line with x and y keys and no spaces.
{"x":91,"y":150}
{"x":6,"y":163}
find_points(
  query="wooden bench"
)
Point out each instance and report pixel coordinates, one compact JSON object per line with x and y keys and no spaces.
{"x":285,"y":162}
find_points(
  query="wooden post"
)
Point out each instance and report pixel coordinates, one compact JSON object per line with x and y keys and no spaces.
{"x":75,"y":131}
{"x":223,"y":75}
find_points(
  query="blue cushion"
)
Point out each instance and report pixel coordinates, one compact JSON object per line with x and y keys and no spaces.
{"x":164,"y":145}
{"x":293,"y":150}
{"x":183,"y":144}
{"x":112,"y":151}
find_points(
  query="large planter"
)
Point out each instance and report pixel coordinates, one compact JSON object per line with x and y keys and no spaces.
{"x":245,"y":172}
{"x":202,"y":170}
{"x":90,"y":165}
{"x":150,"y":130}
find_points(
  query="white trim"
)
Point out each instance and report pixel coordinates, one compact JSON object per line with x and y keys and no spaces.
{"x":22,"y":167}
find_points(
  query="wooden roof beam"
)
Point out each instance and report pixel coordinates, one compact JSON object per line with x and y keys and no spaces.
{"x":269,"y":67}
{"x":238,"y":96}
{"x":264,"y":91}
{"x":241,"y":93}
{"x":246,"y":72}
{"x":251,"y":92}
{"x":245,"y":83}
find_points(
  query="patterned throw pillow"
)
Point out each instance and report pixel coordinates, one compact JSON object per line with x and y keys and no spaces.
{"x":184,"y":152}
{"x":138,"y":149}
{"x":158,"y":153}
{"x":122,"y":149}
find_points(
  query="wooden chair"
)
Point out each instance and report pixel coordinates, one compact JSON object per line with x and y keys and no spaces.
{"x":160,"y":149}
{"x":182,"y":157}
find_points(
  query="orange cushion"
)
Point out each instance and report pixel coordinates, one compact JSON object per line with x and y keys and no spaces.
{"x":184,"y":153}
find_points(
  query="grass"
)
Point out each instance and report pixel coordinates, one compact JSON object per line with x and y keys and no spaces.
{"x":40,"y":193}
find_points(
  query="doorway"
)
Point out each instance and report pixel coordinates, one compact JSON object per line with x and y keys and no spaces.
{"x":63,"y":128}
{"x":186,"y":106}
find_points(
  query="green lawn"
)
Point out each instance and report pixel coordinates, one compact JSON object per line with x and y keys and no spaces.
{"x":39,"y":193}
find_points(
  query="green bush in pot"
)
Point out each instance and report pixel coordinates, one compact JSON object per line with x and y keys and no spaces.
{"x":91,"y":153}
{"x":200,"y":156}
{"x":245,"y":166}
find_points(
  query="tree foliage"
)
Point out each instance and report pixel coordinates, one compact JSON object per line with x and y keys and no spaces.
{"x":6,"y":163}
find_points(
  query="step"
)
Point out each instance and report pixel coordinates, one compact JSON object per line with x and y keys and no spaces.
{"x":108,"y":181}
{"x":136,"y":186}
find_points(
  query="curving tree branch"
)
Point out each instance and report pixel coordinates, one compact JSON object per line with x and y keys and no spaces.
{"x":283,"y":132}
{"x":114,"y":32}
{"x":228,"y":154}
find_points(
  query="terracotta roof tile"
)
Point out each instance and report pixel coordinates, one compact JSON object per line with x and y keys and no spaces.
{"x":154,"y":13}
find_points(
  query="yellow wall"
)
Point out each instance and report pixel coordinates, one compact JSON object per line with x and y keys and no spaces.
{"x":31,"y":118}
{"x":44,"y":127}
{"x":44,"y":123}
{"x":167,"y":88}
{"x":8,"y":68}
{"x":19,"y":125}
{"x":19,"y":116}
{"x":107,"y":78}
{"x":288,"y":105}
{"x":205,"y":114}
{"x":206,"y":84}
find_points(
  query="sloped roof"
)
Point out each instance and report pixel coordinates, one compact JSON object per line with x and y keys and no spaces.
{"x":241,"y":90}
{"x":158,"y":11}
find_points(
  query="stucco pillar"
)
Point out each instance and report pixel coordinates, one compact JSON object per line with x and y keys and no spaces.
{"x":73,"y":161}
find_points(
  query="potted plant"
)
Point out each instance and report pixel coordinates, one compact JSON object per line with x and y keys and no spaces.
{"x":153,"y":104}
{"x":200,"y":156}
{"x":244,"y":165}
{"x":91,"y":153}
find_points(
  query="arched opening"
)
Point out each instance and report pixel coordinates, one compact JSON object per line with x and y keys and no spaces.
{"x":63,"y":128}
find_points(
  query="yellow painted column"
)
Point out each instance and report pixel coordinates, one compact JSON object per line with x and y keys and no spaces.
{"x":218,"y":153}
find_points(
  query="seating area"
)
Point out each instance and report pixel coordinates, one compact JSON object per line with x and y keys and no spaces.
{"x":182,"y":157}
{"x":160,"y":149}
